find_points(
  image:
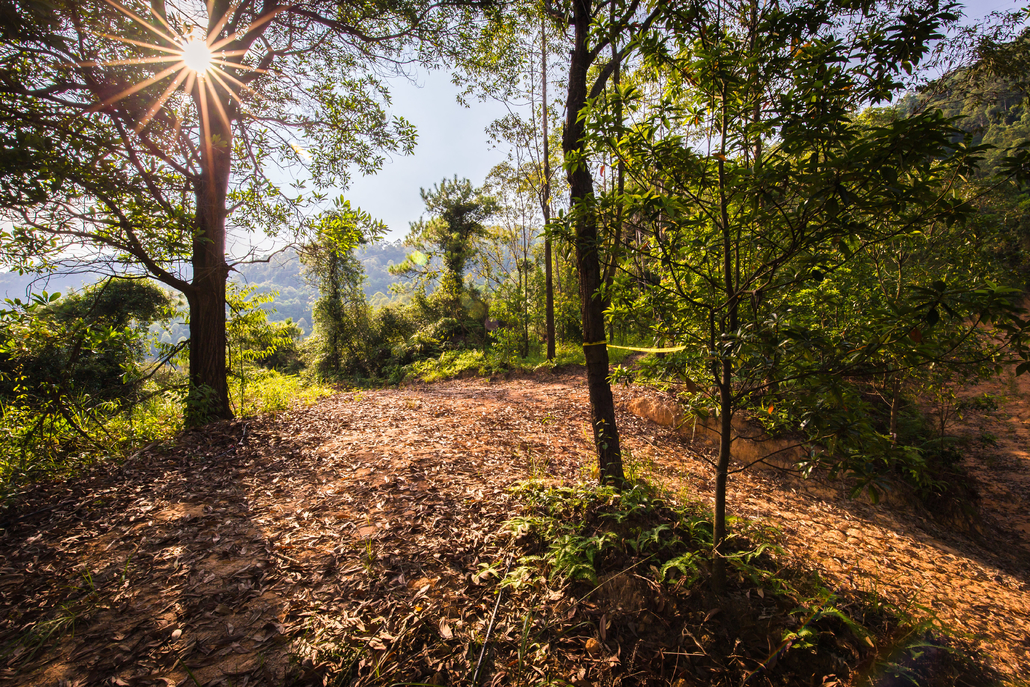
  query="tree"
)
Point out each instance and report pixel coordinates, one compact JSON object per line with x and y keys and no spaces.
{"x":70,"y":364}
{"x":136,"y":136}
{"x":88,"y":344}
{"x":457,"y":212}
{"x":593,"y":31}
{"x":341,"y":315}
{"x":783,"y":232}
{"x":510,"y":64}
{"x":545,"y":191}
{"x":510,"y":249}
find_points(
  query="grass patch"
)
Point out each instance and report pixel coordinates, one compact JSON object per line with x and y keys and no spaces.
{"x":39,"y":446}
{"x":491,"y":361}
{"x":269,"y":391}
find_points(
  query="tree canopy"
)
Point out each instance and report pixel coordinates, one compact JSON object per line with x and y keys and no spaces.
{"x":123,"y":155}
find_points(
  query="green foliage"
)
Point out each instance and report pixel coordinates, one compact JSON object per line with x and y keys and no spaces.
{"x":496,"y":359}
{"x":271,"y":391}
{"x":89,"y":344}
{"x":358,"y":341}
{"x":255,"y":345}
{"x":73,"y":381}
{"x":810,"y":259}
{"x":986,"y":99}
{"x":350,"y":340}
{"x":583,"y":528}
{"x":253,"y":340}
{"x":457,"y":212}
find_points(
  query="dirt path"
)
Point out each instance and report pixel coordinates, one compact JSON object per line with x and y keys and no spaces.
{"x":377,"y":514}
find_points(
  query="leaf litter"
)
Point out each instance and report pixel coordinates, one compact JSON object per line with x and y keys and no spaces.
{"x":360,"y":541}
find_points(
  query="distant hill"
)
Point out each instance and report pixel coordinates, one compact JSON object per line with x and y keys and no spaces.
{"x":14,"y":285}
{"x":297,"y":295}
{"x":283,"y":273}
{"x":990,"y":102}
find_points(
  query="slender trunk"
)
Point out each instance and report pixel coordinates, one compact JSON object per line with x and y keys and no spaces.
{"x":721,"y":479}
{"x":209,"y":389}
{"x":618,"y":183}
{"x":525,"y":305}
{"x":729,"y":329}
{"x":546,"y":201}
{"x":584,"y":212}
{"x":895,"y":407}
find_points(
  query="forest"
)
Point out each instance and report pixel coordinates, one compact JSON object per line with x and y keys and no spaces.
{"x":718,"y":377}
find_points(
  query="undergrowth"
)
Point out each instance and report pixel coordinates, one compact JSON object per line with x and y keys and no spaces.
{"x":44,"y":444}
{"x":269,"y":391}
{"x":636,"y":564}
{"x":605,"y":587}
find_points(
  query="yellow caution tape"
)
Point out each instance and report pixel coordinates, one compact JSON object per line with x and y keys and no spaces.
{"x":674,"y":349}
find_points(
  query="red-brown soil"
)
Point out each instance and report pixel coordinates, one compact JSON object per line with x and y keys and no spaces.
{"x":217,"y":559}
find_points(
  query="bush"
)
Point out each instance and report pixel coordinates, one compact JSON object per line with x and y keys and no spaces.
{"x":73,"y":383}
{"x":88,"y":345}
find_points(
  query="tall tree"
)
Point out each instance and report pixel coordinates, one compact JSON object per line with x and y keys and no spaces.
{"x":457,"y":211}
{"x":341,"y":313}
{"x":510,"y":64}
{"x":594,"y":26}
{"x":510,"y":248}
{"x":771,"y":213}
{"x":545,"y":193}
{"x":138,"y":136}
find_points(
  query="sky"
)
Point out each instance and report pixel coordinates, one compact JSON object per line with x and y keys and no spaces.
{"x":451,"y":140}
{"x":979,"y":8}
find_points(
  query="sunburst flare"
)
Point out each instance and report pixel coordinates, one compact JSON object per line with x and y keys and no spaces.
{"x":197,"y":60}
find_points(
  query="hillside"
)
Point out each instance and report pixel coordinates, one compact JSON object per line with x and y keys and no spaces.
{"x":988,"y":102}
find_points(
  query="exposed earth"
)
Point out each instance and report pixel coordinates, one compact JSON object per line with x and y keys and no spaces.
{"x":237,"y":554}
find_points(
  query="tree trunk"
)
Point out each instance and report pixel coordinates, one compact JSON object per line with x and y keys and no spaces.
{"x":895,"y":407}
{"x":619,"y":182}
{"x":721,"y":477}
{"x":209,"y":389}
{"x":728,"y":326}
{"x":545,"y":202}
{"x":584,"y":217}
{"x":525,"y":307}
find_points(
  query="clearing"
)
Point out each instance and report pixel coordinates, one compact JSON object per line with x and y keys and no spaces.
{"x":230,"y":555}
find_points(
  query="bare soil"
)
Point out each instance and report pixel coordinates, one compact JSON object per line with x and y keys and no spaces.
{"x":244,"y":553}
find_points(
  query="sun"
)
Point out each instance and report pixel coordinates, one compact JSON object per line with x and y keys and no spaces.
{"x":197,"y":56}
